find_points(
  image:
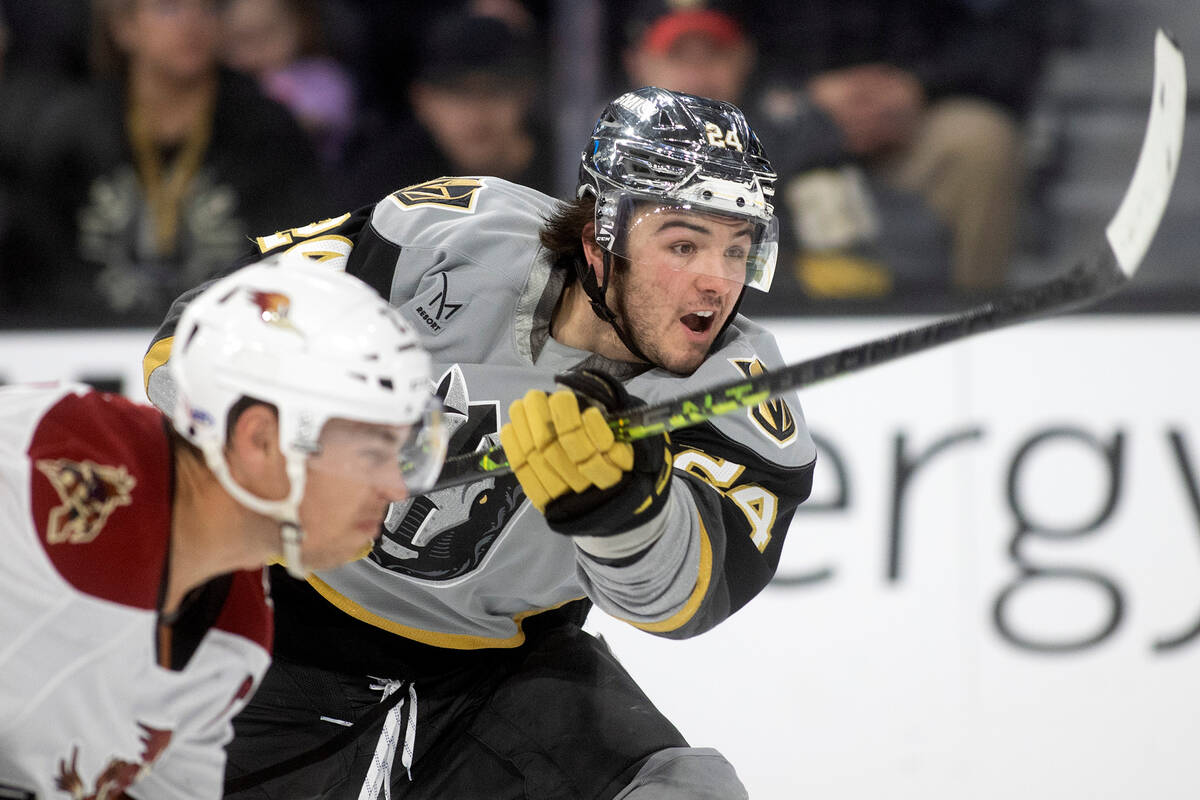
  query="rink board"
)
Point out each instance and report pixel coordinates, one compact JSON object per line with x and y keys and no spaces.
{"x":994,"y":591}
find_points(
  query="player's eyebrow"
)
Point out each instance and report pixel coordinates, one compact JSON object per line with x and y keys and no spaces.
{"x":385,"y":434}
{"x":677,"y":222}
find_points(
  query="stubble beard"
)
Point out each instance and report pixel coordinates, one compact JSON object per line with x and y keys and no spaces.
{"x":635,"y":324}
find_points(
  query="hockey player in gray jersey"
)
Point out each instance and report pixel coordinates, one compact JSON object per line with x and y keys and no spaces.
{"x":464,"y":622}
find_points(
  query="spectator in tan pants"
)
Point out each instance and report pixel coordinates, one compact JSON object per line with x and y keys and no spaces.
{"x":858,"y":98}
{"x":961,"y":154}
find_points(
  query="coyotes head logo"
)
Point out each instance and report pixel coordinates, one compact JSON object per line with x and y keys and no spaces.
{"x":273,"y":307}
{"x":89,"y":493}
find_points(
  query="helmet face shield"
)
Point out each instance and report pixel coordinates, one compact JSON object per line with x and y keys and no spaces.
{"x":692,"y":238}
{"x":424,"y":451}
{"x":397,"y":460}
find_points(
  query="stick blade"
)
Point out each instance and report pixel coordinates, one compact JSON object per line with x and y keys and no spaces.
{"x":1133,"y":226}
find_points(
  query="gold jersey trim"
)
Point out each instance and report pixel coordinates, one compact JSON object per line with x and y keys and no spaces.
{"x":155,"y":357}
{"x":452,"y":641}
{"x":685,"y":614}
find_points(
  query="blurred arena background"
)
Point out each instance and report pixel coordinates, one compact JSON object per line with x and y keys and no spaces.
{"x":993,"y":590}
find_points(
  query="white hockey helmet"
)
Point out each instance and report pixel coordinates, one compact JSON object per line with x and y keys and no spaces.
{"x":315,"y":343}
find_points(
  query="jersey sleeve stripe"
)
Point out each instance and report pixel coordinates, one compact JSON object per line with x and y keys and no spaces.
{"x":694,"y":601}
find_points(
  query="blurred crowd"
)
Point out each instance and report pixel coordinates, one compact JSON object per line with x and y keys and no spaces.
{"x":145,"y":143}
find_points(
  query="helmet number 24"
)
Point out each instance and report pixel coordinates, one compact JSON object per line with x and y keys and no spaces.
{"x":720,"y":138}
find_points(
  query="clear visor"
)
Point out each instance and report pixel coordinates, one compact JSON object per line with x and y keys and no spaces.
{"x":695,"y":239}
{"x":399,"y":460}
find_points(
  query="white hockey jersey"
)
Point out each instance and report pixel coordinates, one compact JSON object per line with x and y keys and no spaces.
{"x":466,"y":568}
{"x":100,"y":695}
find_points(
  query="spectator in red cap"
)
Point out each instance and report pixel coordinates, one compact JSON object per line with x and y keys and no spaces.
{"x":898,"y":120}
{"x":698,"y":50}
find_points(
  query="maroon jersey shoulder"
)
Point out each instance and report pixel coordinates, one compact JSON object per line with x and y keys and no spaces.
{"x":101,"y":495}
{"x":247,"y":610}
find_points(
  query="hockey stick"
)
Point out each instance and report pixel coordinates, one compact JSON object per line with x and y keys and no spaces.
{"x":1128,"y":236}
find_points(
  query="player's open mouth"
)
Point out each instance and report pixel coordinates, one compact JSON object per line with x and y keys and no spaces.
{"x":698,"y":322}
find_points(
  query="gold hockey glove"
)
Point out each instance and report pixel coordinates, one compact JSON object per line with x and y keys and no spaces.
{"x":573,"y":469}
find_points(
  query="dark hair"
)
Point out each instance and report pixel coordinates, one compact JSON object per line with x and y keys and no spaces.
{"x":312,"y":37}
{"x":180,"y":444}
{"x":460,"y":46}
{"x":105,"y":56}
{"x":563,"y":229}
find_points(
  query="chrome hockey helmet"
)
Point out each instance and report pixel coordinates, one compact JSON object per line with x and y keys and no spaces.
{"x":317,"y":344}
{"x":673,"y":149}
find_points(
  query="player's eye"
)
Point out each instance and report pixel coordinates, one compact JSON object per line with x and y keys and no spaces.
{"x":374,"y":457}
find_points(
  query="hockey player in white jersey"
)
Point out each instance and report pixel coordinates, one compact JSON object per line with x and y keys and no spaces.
{"x":134,"y":621}
{"x":451,"y":662}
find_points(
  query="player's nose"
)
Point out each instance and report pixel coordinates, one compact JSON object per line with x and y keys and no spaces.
{"x":389,"y":483}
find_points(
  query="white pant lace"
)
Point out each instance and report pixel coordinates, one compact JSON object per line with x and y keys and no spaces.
{"x":380,"y":773}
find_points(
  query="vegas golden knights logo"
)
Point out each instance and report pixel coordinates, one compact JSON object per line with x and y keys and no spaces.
{"x":89,"y":494}
{"x":773,"y":417}
{"x":457,"y":194}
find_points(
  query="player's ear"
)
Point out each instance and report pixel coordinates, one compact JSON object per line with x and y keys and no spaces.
{"x":256,"y":430}
{"x":254,"y":454}
{"x":592,"y":251}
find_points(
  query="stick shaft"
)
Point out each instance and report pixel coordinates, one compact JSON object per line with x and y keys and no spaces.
{"x":1080,"y":286}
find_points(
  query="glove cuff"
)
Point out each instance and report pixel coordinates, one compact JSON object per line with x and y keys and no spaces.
{"x":623,"y":546}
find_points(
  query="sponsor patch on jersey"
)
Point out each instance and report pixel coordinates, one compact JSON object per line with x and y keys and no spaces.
{"x":89,"y":493}
{"x":437,"y":309}
{"x":456,"y":194}
{"x":773,"y":417}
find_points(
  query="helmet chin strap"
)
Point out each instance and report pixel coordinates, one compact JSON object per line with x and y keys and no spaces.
{"x":286,"y":511}
{"x":596,"y":295}
{"x":292,"y":536}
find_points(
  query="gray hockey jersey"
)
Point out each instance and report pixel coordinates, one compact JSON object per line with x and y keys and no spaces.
{"x":461,"y":568}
